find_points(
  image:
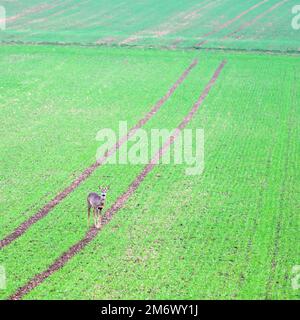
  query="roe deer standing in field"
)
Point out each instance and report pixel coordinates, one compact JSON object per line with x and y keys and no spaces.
{"x":97,"y":202}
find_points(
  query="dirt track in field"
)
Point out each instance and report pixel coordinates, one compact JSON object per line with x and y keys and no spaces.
{"x":229,"y":22}
{"x":20,"y":230}
{"x":250,"y":23}
{"x":27,"y":12}
{"x":92,"y":233}
{"x":171,"y":25}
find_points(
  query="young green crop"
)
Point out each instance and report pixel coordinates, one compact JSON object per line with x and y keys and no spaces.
{"x":240,"y":25}
{"x":231,"y":232}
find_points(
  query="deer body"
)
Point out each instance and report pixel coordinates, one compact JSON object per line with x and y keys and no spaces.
{"x":96,"y":202}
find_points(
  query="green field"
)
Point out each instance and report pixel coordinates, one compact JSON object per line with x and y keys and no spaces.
{"x":231,"y":232}
{"x":259,"y":24}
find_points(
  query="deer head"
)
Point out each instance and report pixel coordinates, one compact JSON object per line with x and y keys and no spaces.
{"x":103,"y":193}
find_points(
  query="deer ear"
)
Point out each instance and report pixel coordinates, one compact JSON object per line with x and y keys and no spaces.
{"x":100,"y":187}
{"x":108,"y":188}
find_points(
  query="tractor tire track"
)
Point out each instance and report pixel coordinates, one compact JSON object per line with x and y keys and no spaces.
{"x":23,"y":227}
{"x":170,"y":25}
{"x":229,"y":22}
{"x":250,"y":23}
{"x":92,"y":233}
{"x":28,"y":12}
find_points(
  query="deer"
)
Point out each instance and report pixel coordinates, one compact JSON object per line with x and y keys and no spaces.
{"x":97,"y":202}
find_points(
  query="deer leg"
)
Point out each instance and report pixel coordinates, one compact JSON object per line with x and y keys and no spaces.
{"x":89,"y":214}
{"x":95,"y":217}
{"x":99,"y":220}
{"x":100,"y":217}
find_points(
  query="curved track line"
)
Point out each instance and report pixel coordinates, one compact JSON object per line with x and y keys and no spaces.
{"x":20,"y":230}
{"x":189,"y":15}
{"x":229,"y":22}
{"x":92,"y":233}
{"x":27,"y":12}
{"x":250,"y":23}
